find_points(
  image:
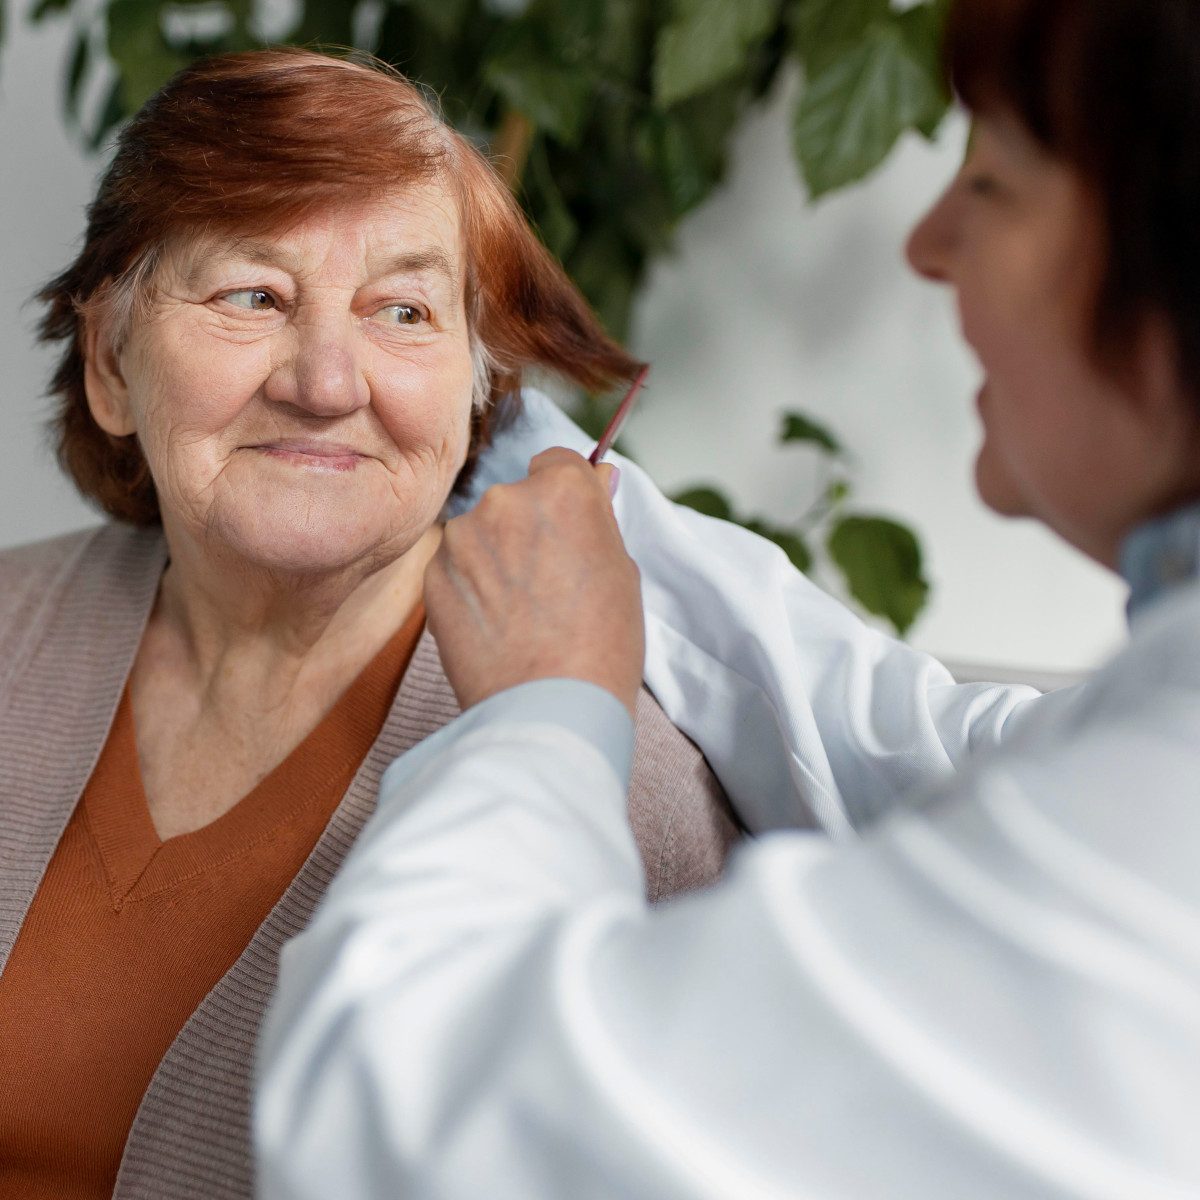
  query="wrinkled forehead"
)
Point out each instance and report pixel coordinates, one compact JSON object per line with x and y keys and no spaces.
{"x":416,"y":230}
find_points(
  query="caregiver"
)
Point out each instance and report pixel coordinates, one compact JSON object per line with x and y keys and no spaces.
{"x":996,"y":992}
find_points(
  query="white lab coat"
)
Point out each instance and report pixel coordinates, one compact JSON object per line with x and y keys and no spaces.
{"x":802,"y":711}
{"x":994,"y":996}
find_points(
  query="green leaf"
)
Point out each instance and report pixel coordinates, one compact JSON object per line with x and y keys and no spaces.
{"x":44,"y":8}
{"x":706,"y":500}
{"x":112,"y":114}
{"x":852,"y":113}
{"x":553,"y":218}
{"x":553,"y":98}
{"x":792,"y":544}
{"x":686,"y":148}
{"x":838,"y":491}
{"x":706,"y":43}
{"x":75,"y":73}
{"x":444,"y":17}
{"x":450,"y":68}
{"x":683,"y":170}
{"x":799,"y":428}
{"x":606,"y":271}
{"x":325,"y":23}
{"x":923,"y":28}
{"x":624,"y":40}
{"x":826,"y":29}
{"x":881,"y":561}
{"x":576,"y":29}
{"x":139,"y":51}
{"x":243,"y":35}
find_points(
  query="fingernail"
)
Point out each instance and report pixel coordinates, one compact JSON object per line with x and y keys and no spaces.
{"x":614,"y":482}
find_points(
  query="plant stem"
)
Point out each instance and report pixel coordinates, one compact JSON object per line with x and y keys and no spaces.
{"x":510,"y":151}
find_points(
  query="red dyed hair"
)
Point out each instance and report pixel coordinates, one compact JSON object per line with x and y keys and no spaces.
{"x":254,"y":143}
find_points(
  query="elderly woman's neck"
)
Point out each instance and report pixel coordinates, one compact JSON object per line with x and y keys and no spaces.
{"x":272,"y":630}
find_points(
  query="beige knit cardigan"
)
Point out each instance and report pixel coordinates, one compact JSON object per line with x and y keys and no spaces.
{"x":72,"y":613}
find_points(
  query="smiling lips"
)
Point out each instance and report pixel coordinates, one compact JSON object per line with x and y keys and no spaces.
{"x":313,"y":456}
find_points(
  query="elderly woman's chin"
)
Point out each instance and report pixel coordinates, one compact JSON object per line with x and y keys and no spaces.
{"x":317,"y":528}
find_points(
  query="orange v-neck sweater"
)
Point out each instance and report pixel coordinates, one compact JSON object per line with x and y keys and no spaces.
{"x":128,"y":933}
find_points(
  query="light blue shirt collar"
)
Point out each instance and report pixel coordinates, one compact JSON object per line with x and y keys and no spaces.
{"x":1160,"y":555}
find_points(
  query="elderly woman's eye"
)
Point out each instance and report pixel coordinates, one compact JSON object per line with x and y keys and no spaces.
{"x":401,"y":314}
{"x":254,"y":299}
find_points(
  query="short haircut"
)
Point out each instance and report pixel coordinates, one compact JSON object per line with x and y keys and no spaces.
{"x":250,"y":144}
{"x":1112,"y":88}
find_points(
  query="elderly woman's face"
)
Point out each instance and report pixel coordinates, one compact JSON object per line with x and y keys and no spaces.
{"x":303,"y":399}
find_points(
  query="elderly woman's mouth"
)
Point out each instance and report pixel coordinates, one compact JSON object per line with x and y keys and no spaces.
{"x":311,"y":455}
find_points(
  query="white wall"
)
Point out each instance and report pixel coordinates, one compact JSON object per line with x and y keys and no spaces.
{"x":768,"y":305}
{"x":772,"y":304}
{"x":44,"y":184}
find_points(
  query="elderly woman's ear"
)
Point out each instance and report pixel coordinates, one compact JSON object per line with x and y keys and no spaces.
{"x":104,"y":383}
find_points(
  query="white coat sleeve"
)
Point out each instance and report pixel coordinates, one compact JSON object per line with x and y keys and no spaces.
{"x":804,"y":712}
{"x":986,"y":998}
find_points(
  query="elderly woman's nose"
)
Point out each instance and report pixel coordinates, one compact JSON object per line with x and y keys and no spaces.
{"x":322,"y":374}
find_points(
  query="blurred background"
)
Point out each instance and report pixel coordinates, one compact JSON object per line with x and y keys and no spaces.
{"x":695,"y":231}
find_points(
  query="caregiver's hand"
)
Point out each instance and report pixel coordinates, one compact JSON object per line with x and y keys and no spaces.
{"x":534,"y":583}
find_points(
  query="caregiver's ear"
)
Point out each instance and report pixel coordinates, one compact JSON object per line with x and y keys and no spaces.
{"x":103,"y":381}
{"x":1157,"y":390}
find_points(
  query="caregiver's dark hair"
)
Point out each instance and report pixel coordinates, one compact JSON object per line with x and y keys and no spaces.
{"x":250,"y":143}
{"x":1111,"y":87}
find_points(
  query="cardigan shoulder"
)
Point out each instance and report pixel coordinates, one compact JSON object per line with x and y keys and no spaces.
{"x":31,"y":571}
{"x":33,"y":579}
{"x":681,"y":817}
{"x":108,"y":561}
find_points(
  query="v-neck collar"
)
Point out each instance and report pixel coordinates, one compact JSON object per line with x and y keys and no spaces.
{"x":58,"y":703}
{"x":207,"y":1072}
{"x":139,"y":864}
{"x":59,"y":692}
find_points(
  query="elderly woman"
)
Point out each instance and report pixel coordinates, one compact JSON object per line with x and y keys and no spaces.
{"x":301,"y":306}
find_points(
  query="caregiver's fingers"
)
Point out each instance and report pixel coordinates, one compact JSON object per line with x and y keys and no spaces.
{"x":559,"y":457}
{"x":535,"y":583}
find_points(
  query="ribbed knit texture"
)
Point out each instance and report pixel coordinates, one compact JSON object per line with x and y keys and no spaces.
{"x":127,"y":934}
{"x":72,"y":613}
